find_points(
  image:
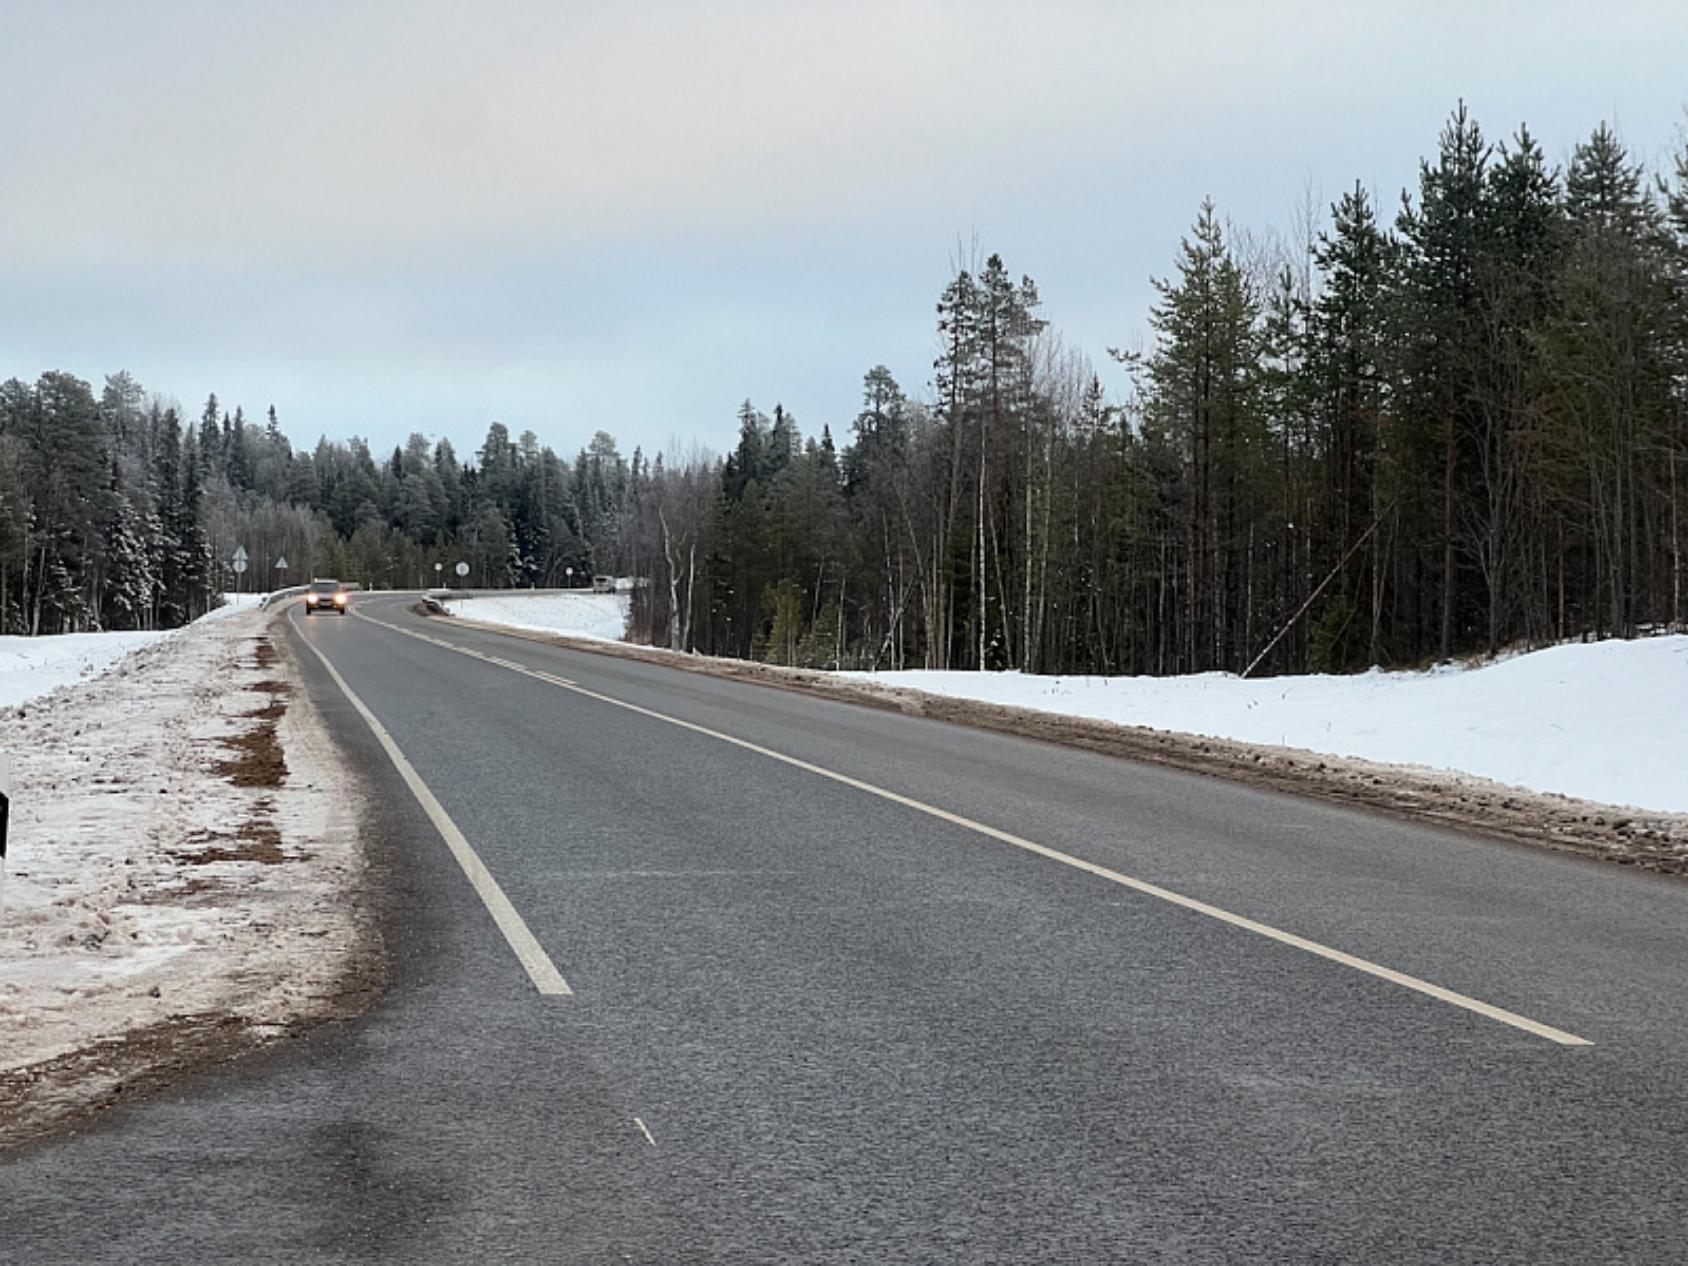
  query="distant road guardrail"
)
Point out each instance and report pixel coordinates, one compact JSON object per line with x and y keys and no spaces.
{"x":436,"y":598}
{"x":275,"y":596}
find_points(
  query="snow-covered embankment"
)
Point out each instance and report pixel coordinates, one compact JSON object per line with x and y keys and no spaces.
{"x":183,"y":878}
{"x":34,"y":666}
{"x":1603,"y":722}
{"x":597,"y":617}
{"x":31,"y":667}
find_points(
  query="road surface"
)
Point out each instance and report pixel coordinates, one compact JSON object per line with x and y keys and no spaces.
{"x":687,"y":970}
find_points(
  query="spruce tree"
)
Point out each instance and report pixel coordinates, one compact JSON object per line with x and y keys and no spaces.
{"x":210,"y":449}
{"x":1348,"y":341}
{"x":1446,"y":236}
{"x":127,"y":592}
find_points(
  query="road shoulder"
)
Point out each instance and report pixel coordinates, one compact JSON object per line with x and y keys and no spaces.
{"x":187,"y":880}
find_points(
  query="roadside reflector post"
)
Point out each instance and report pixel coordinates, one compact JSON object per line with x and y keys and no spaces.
{"x":5,"y":816}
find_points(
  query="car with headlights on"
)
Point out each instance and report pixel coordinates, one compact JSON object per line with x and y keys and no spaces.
{"x":327,"y":595}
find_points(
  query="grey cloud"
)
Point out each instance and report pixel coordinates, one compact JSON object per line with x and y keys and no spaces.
{"x":406,"y":216}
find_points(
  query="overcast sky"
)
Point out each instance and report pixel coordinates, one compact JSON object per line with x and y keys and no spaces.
{"x":413,"y":217}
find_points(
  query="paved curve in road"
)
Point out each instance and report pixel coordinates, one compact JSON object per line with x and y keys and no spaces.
{"x":811,"y":1020}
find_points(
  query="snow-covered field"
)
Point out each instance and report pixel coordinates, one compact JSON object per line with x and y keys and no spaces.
{"x":600,"y":617}
{"x":34,"y":666}
{"x":182,"y":845}
{"x":31,"y":667}
{"x":1606,"y":721}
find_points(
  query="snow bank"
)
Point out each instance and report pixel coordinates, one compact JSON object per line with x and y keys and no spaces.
{"x":1606,"y":721}
{"x":31,"y":667}
{"x":183,"y":844}
{"x":599,"y":617}
{"x":34,"y":666}
{"x":233,"y":604}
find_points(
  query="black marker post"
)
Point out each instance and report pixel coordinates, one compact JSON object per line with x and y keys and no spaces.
{"x":5,"y":816}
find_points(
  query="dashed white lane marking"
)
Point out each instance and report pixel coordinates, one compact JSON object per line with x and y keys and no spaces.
{"x":643,"y":1130}
{"x":532,"y":956}
{"x":1413,"y":983}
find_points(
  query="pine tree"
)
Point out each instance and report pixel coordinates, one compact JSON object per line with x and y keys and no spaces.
{"x":127,"y":595}
{"x":1207,"y":370}
{"x":193,"y":565}
{"x":235,"y":461}
{"x":1446,"y":236}
{"x":210,"y":452}
{"x":15,"y":515}
{"x":1347,"y":334}
{"x":163,"y":540}
{"x":1607,"y":358}
{"x":64,"y":464}
{"x":1506,"y":530}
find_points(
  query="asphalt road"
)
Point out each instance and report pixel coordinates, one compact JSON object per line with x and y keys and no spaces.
{"x":818,"y":1015}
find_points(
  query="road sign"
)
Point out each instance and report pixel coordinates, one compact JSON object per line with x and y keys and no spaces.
{"x":239,"y":565}
{"x":462,"y":569}
{"x":240,"y":553}
{"x":281,"y":563}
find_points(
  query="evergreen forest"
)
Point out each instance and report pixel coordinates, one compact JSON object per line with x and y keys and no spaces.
{"x":1441,"y":427}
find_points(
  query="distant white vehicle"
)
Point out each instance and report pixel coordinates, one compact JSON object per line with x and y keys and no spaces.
{"x":603,"y":584}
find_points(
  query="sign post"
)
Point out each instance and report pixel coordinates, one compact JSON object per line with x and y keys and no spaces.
{"x":239,"y":565}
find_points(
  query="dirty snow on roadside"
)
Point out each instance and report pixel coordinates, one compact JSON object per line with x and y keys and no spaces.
{"x":1603,"y":721}
{"x":182,"y":846}
{"x":599,"y":617}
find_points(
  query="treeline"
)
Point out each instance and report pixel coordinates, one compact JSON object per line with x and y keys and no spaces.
{"x":115,"y":514}
{"x":1407,"y":436}
{"x":1460,"y":430}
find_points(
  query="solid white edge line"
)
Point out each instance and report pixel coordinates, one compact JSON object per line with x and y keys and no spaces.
{"x":1441,"y":994}
{"x":532,"y":956}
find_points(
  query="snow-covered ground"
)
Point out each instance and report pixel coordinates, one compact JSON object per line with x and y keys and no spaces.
{"x":1606,"y":721}
{"x":34,"y":666}
{"x":600,"y":617}
{"x":183,"y":844}
{"x":233,"y":603}
{"x":31,"y":667}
